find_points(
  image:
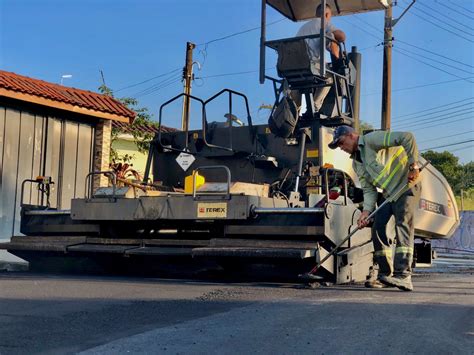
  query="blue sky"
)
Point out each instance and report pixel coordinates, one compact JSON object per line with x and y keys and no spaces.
{"x":134,"y":41}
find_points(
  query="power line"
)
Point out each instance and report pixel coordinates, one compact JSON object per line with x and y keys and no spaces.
{"x":362,"y":29}
{"x":438,"y":118}
{"x":432,"y":108}
{"x":367,"y":23}
{"x":436,"y":61}
{"x":443,"y":137}
{"x":430,"y":65}
{"x":230,"y":74}
{"x":438,"y":26}
{"x":445,"y":16}
{"x":148,"y":80}
{"x":421,"y":86}
{"x":154,"y":86}
{"x":408,"y":44}
{"x":238,"y":33}
{"x":159,"y":86}
{"x":442,"y":20}
{"x":458,"y":149}
{"x":395,"y":49}
{"x":448,"y":145}
{"x":202,"y":44}
{"x":434,"y":112}
{"x":434,"y":53}
{"x":459,"y":12}
{"x":442,"y":123}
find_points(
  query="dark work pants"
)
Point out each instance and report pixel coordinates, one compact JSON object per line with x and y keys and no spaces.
{"x":403,"y":210}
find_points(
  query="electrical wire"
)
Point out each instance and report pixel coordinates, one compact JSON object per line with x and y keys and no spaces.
{"x":442,"y":123}
{"x":444,"y":15}
{"x":438,"y":118}
{"x":230,"y":74}
{"x":362,"y":29}
{"x":148,"y":80}
{"x":432,"y":113}
{"x":433,"y":108}
{"x":443,"y":137}
{"x":459,"y":12}
{"x":430,"y":65}
{"x":420,"y":86}
{"x":157,"y":85}
{"x":438,"y":26}
{"x":357,"y":17}
{"x":237,"y":33}
{"x":434,"y":53}
{"x":155,"y":89}
{"x":458,"y":149}
{"x":408,"y":44}
{"x":448,"y":145}
{"x":227,"y":74}
{"x":434,"y":60}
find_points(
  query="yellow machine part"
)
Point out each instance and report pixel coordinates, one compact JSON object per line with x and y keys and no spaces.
{"x":188,"y":182}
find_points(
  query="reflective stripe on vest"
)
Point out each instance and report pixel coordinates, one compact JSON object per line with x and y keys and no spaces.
{"x":386,"y":138}
{"x":384,"y":252}
{"x":388,"y":165}
{"x":404,"y":250}
{"x":401,"y":163}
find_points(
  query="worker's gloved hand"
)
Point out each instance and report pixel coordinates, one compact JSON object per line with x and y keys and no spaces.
{"x":413,"y":173}
{"x":363,"y":221}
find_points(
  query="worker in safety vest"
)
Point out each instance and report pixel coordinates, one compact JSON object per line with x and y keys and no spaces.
{"x":388,"y":161}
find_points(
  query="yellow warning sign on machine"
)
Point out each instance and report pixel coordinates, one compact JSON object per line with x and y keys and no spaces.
{"x":312,"y":153}
{"x":212,"y":210}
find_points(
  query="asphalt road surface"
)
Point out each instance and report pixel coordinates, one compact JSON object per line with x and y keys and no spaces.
{"x":58,"y":314}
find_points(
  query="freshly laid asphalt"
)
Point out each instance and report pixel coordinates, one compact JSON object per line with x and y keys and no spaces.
{"x":60,"y":314}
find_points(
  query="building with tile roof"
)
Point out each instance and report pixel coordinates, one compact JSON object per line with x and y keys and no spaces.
{"x":52,"y":130}
{"x":63,"y":98}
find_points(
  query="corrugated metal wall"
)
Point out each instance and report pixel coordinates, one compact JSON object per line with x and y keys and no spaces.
{"x":32,"y":145}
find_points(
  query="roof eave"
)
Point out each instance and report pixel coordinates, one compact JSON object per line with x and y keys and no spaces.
{"x":64,"y":106}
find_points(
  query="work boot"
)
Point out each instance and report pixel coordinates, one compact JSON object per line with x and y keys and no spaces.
{"x":375,"y":283}
{"x":402,"y":282}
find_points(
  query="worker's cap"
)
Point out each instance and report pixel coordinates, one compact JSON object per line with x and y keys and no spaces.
{"x":339,"y":132}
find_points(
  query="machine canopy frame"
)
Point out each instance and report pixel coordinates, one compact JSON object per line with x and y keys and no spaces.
{"x":300,"y":10}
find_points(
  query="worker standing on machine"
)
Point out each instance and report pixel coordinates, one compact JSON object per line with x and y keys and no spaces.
{"x":313,"y":27}
{"x":401,"y":168}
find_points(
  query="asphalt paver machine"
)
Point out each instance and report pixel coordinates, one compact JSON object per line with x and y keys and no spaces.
{"x":238,"y":193}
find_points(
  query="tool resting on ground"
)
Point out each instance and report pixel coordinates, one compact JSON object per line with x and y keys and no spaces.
{"x":310,"y":275}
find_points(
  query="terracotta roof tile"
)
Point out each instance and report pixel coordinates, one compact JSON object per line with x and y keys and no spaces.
{"x":126,"y":128}
{"x":59,"y":93}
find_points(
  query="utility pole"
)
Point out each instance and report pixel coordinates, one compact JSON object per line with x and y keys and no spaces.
{"x":387,"y":69}
{"x":187,"y":77}
{"x":387,"y":63}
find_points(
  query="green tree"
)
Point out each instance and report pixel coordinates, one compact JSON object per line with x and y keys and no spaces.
{"x":459,"y":176}
{"x":141,"y":137}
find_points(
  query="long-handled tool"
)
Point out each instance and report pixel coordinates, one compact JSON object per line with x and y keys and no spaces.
{"x":310,"y":275}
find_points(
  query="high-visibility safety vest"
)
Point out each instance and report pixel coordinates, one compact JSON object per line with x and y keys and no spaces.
{"x":386,"y":157}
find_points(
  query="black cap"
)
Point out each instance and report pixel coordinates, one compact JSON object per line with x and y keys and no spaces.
{"x":338,"y":133}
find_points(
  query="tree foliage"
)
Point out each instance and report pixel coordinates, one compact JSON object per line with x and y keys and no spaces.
{"x":141,"y":137}
{"x":459,"y":176}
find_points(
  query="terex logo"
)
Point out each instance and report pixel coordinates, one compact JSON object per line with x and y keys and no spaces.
{"x":215,"y":210}
{"x":212,"y":210}
{"x":437,"y":208}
